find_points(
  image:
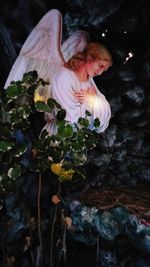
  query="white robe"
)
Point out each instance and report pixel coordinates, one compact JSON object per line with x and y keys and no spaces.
{"x":64,"y":85}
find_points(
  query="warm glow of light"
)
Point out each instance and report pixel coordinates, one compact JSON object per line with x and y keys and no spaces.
{"x":38,"y":97}
{"x":93,"y":102}
{"x":103,"y":34}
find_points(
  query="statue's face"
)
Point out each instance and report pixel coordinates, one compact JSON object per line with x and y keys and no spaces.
{"x":96,"y":67}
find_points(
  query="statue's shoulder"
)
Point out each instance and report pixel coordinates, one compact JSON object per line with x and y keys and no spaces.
{"x":64,"y":74}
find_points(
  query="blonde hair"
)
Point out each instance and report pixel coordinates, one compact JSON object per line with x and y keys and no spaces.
{"x":93,"y":52}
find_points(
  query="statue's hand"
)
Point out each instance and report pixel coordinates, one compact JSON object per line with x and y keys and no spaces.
{"x":91,"y":91}
{"x":82,"y":95}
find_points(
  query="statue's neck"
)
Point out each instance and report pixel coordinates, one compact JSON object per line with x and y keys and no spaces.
{"x":81,"y":74}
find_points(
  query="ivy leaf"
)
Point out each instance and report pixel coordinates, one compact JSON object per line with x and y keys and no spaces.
{"x":21,"y":124}
{"x":96,"y":123}
{"x":31,"y":76}
{"x":79,"y":158}
{"x":67,"y":165}
{"x":61,"y":115}
{"x":87,"y":113}
{"x":52,"y":103}
{"x":14,"y":91}
{"x":31,"y":89}
{"x":6,"y":146}
{"x":14,"y":117}
{"x":14,"y":172}
{"x":44,"y":134}
{"x":68,"y":131}
{"x":65,"y":130}
{"x":24,"y":100}
{"x":21,"y":149}
{"x":83,"y":122}
{"x":42,"y":107}
{"x":24,"y":111}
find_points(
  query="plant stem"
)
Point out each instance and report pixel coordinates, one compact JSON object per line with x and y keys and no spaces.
{"x":52,"y":234}
{"x":39,"y":221}
{"x":52,"y":230}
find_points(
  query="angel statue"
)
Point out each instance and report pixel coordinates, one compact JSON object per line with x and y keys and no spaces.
{"x":69,"y":69}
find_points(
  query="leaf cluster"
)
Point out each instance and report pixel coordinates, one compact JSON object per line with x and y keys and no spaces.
{"x":18,"y":139}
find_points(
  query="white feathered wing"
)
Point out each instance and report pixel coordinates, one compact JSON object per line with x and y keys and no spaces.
{"x":74,"y":44}
{"x":42,"y":51}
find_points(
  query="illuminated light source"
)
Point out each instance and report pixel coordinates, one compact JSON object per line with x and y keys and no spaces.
{"x":125,"y":31}
{"x":93,"y":102}
{"x":103,"y":34}
{"x":130,"y":55}
{"x":38,"y":97}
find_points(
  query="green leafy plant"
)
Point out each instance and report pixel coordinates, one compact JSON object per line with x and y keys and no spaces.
{"x":23,"y":149}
